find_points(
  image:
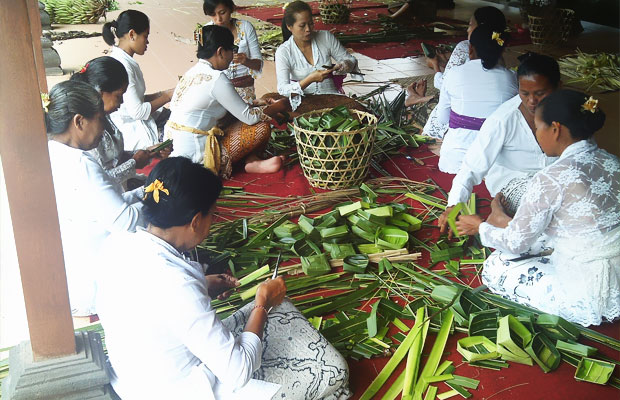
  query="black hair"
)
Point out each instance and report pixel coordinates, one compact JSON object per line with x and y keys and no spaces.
{"x":289,"y":16}
{"x":489,"y":50}
{"x":105,"y":74}
{"x":214,"y":37}
{"x":209,"y":6}
{"x":568,"y":107}
{"x":538,"y":64}
{"x":126,"y":21}
{"x":191,"y":189}
{"x":490,"y":17}
{"x":67,"y":99}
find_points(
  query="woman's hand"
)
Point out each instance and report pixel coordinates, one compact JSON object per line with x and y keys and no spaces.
{"x":218,"y":285}
{"x":468,"y":224}
{"x":277,"y":107}
{"x":271,"y":292}
{"x":142,"y":158}
{"x":240,"y":58}
{"x":442,"y":222}
{"x":498,"y":216}
{"x":162,"y":154}
{"x":320,"y":75}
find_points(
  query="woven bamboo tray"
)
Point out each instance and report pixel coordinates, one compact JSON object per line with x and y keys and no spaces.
{"x":336,"y":160}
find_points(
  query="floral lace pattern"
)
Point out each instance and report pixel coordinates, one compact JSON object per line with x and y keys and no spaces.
{"x":110,"y":154}
{"x":575,"y":203}
{"x":459,"y":56}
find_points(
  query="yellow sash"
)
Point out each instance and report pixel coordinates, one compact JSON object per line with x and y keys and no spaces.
{"x":212,"y":154}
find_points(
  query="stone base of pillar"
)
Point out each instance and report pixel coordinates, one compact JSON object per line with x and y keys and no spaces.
{"x":51,"y":59}
{"x":79,"y":376}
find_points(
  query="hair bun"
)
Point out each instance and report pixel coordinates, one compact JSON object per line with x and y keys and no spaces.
{"x":114,"y":24}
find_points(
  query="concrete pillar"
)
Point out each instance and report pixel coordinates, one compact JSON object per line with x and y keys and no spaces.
{"x":80,"y":376}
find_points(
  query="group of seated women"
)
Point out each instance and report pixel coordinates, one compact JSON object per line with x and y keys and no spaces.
{"x":125,"y":251}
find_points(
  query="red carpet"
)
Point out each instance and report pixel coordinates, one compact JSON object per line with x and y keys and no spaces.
{"x":518,"y":382}
{"x":364,"y":19}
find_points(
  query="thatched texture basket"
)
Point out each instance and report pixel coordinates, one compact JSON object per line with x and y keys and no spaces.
{"x":334,"y":11}
{"x":336,"y":160}
{"x":550,"y":27}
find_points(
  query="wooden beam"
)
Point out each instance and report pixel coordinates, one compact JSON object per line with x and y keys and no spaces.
{"x":36,"y":31}
{"x":30,"y":190}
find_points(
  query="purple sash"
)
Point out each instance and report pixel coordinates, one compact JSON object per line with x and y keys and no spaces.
{"x":465,"y":122}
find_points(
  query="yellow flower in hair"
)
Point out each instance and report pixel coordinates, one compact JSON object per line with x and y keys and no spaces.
{"x":155,"y":187}
{"x":45,"y":101}
{"x":591,"y":105}
{"x":284,"y":6}
{"x":498,"y":38}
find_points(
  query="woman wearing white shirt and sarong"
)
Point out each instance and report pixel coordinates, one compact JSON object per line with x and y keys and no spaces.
{"x":91,"y":204}
{"x":505,"y":153}
{"x":302,"y":61}
{"x":203,"y":98}
{"x":179,"y":348}
{"x":247,"y":62}
{"x":488,"y":16}
{"x":139,"y":115}
{"x":574,"y":202}
{"x":471,"y":93}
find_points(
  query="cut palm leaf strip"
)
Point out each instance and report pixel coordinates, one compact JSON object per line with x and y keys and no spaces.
{"x":477,"y":348}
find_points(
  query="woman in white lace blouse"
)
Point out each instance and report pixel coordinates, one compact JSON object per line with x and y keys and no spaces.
{"x":304,"y":61}
{"x":109,"y":77}
{"x":576,"y":203}
{"x":488,"y":16}
{"x":247,"y":62}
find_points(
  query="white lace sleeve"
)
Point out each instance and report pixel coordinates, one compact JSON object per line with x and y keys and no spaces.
{"x":459,"y":56}
{"x":287,"y":87}
{"x":540,"y":202}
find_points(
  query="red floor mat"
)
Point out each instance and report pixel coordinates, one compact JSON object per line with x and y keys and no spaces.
{"x":516,"y":382}
{"x":364,"y":19}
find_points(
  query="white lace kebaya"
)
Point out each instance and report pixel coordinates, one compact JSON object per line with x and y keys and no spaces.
{"x":575,"y":202}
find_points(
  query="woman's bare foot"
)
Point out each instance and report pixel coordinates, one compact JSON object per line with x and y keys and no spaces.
{"x":417,"y":93}
{"x":254,"y":165}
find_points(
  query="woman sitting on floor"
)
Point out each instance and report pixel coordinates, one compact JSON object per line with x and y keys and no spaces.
{"x":575,"y":203}
{"x":505,"y":153}
{"x":247,"y":62}
{"x":164,"y":338}
{"x":109,"y":77}
{"x":140,"y":116}
{"x":488,"y":16}
{"x":304,"y":60}
{"x":203,"y":97}
{"x":471,"y":93}
{"x":91,"y":204}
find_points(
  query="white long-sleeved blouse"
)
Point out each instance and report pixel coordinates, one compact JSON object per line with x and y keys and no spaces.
{"x":576,"y":203}
{"x":505,"y":148}
{"x":91,"y":205}
{"x":247,"y":40}
{"x":201,"y":98}
{"x":178,"y":348}
{"x":473,"y":91}
{"x":292,"y":66}
{"x":577,"y":200}
{"x":133,"y":117}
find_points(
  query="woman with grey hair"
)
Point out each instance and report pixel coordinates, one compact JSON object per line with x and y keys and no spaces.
{"x":91,"y":204}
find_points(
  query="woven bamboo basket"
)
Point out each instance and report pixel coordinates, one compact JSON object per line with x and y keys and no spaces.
{"x":336,"y":160}
{"x":334,"y":11}
{"x":551,"y":27}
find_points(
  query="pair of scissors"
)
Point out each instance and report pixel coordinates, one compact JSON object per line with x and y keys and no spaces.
{"x":275,"y":271}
